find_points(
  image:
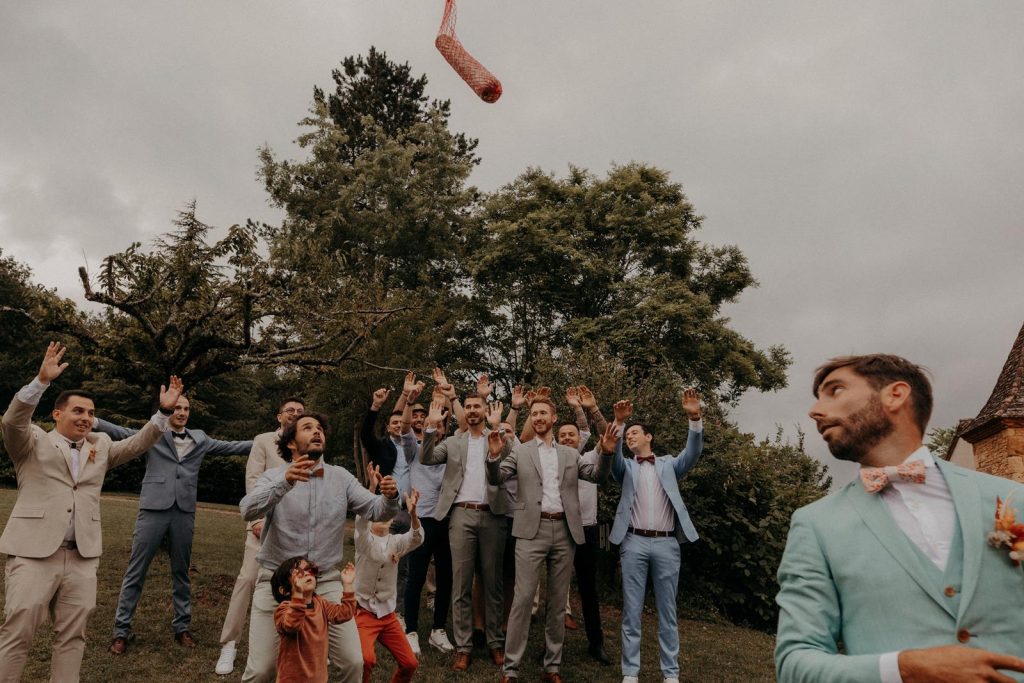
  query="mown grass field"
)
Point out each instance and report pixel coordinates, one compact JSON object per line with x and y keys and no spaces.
{"x":710,"y":651}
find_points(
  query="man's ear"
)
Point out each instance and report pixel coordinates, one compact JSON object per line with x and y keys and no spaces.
{"x":896,"y":396}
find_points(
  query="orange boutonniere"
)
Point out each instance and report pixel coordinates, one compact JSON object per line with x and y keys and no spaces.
{"x":1007,"y":531}
{"x":92,"y":455}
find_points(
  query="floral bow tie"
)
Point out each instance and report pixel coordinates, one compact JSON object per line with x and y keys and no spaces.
{"x":877,"y":478}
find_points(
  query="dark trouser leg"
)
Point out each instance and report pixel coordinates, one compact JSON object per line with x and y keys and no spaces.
{"x":150,"y":527}
{"x":419,"y":561}
{"x":442,"y":575}
{"x":399,"y":525}
{"x":182,"y":527}
{"x":586,"y":578}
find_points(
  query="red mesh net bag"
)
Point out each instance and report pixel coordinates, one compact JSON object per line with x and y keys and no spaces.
{"x":473,"y":72}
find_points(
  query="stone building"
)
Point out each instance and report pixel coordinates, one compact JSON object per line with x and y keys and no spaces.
{"x":993,"y":441}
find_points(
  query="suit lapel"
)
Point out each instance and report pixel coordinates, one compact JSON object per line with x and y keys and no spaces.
{"x":534,"y":452}
{"x":62,"y":445}
{"x":967,"y":501}
{"x":882,"y":526}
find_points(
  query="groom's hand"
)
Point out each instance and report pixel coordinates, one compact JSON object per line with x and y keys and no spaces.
{"x":956,"y":664}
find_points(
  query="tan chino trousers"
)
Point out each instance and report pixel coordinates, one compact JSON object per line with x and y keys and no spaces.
{"x":241,"y":595}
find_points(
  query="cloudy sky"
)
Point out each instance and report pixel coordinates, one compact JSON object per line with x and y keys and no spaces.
{"x":867,"y":157}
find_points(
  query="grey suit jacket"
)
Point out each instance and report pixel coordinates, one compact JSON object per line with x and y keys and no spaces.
{"x":168,"y":480}
{"x":453,"y":451}
{"x":523,"y":462}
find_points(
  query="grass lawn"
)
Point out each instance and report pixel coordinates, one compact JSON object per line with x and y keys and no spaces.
{"x":710,"y":651}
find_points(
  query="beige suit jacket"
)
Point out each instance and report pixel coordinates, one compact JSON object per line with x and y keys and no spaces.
{"x":263,"y":456}
{"x":523,"y":462}
{"x":454,"y":452}
{"x":47,"y":492}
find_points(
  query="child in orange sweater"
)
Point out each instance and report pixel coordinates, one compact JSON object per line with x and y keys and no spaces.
{"x":302,"y":619}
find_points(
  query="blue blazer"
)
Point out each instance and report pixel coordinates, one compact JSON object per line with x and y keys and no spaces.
{"x":670,"y":468}
{"x":169,"y":481}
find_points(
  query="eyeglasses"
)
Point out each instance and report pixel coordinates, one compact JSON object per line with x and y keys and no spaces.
{"x":310,"y":569}
{"x":292,"y":411}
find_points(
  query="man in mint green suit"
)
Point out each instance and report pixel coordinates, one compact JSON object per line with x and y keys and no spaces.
{"x":891,"y":578}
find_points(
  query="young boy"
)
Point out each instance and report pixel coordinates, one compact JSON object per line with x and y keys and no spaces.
{"x":377,"y":556}
{"x":302,"y":619}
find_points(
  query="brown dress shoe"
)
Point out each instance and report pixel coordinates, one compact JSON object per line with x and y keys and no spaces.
{"x":570,"y":623}
{"x":185,"y":639}
{"x":461,"y":662}
{"x":118,"y":646}
{"x":498,"y":656}
{"x":508,"y":679}
{"x":551,"y":677}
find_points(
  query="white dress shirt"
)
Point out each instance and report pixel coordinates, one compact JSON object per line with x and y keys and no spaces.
{"x":551,"y":497}
{"x":652,"y":509}
{"x":474,"y":482}
{"x":377,"y":566}
{"x":926,"y":514}
{"x":183,"y":445}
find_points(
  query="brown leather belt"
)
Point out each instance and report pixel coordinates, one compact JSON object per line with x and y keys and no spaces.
{"x":552,"y":515}
{"x":474,"y":506}
{"x":650,"y":533}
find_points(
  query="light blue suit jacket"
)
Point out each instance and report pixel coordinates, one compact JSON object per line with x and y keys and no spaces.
{"x":168,"y":480}
{"x":850,"y":575}
{"x":670,"y":468}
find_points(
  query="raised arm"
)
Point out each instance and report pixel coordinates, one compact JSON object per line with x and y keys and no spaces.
{"x":502,"y":459}
{"x":378,"y":508}
{"x":687,"y":458}
{"x":431,"y":452}
{"x":379,"y":450}
{"x":623,"y":411}
{"x":16,"y":425}
{"x":589,"y":403}
{"x":606,"y":447}
{"x":137,"y":444}
{"x":115,"y":432}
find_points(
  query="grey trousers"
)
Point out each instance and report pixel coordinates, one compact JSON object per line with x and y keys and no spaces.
{"x":343,"y":648}
{"x":150,"y":528}
{"x":477,"y":535}
{"x":553,"y":548}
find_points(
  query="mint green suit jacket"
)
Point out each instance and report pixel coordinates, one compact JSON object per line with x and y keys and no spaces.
{"x":853,"y":586}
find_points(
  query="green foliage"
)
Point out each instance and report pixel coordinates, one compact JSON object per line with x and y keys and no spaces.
{"x":939,"y":439}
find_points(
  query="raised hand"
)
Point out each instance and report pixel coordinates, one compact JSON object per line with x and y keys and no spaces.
{"x":170,"y":394}
{"x":494,"y":412}
{"x":495,"y":443}
{"x":484,"y":386}
{"x":372,"y":477}
{"x":609,"y":439}
{"x":691,"y":404}
{"x":436,"y":413}
{"x":518,"y":397}
{"x":379,"y":397}
{"x":52,"y":367}
{"x":543,"y":392}
{"x":587,"y":399}
{"x":409,"y":386}
{"x":572,"y":397}
{"x":531,"y":396}
{"x":411,"y":499}
{"x":623,"y":411}
{"x":299,"y":469}
{"x":388,"y":486}
{"x":348,"y":577}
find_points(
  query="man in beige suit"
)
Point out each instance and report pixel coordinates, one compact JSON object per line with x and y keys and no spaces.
{"x":263,"y":456}
{"x":547,"y":526}
{"x":53,"y":538}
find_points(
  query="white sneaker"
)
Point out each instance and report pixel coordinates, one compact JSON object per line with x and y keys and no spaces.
{"x":439,"y":640}
{"x":630,"y":679}
{"x":414,"y":642}
{"x":226,"y":661}
{"x":671,"y":680}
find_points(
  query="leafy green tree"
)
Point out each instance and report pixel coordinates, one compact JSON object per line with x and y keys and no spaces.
{"x":559,"y":263}
{"x":939,"y":439}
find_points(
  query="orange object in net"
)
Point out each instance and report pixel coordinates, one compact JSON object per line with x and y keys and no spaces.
{"x":482,"y":81}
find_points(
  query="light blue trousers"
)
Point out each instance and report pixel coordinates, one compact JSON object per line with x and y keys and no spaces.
{"x":660,"y":558}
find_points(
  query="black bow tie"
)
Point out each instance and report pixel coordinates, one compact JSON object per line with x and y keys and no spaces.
{"x":74,"y":445}
{"x":180,"y":435}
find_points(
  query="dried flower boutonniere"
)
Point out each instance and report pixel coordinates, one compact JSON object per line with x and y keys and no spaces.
{"x":1007,"y":531}
{"x":92,"y":454}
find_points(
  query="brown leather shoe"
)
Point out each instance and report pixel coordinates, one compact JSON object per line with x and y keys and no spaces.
{"x":551,"y":677}
{"x":185,"y":639}
{"x":570,"y":623}
{"x":461,"y":662}
{"x":498,"y":656}
{"x":508,"y":679}
{"x":118,"y":646}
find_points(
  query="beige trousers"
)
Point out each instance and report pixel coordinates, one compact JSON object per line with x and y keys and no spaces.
{"x":241,"y":596}
{"x":62,"y":585}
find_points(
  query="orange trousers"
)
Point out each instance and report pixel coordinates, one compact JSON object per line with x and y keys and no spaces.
{"x":388,"y":630}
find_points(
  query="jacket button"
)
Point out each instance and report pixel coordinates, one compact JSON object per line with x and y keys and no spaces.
{"x":69,"y":509}
{"x":950,"y":591}
{"x":963,"y":635}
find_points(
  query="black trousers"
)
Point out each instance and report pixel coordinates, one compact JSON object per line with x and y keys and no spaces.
{"x":435,"y":545}
{"x":585,"y":564}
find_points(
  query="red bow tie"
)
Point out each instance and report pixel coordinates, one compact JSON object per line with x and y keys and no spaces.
{"x":317,"y":473}
{"x":877,"y":478}
{"x":646,"y":458}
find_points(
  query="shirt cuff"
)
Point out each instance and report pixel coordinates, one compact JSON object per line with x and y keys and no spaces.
{"x":697,"y":425}
{"x":889,"y":667}
{"x":159,"y":421}
{"x":429,"y":430}
{"x":32,"y":392}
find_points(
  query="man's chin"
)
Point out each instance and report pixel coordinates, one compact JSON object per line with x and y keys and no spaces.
{"x":315,"y":452}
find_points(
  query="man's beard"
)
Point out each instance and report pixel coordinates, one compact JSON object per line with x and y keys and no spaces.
{"x":860,"y":432}
{"x":474,"y":419}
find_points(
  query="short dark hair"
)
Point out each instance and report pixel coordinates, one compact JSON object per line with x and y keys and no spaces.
{"x":65,"y":396}
{"x":475,"y":394}
{"x":281,"y":580}
{"x":290,"y":399}
{"x":880,"y":370}
{"x":566,"y":424}
{"x":399,"y":413}
{"x":644,"y":427}
{"x":289,"y":433}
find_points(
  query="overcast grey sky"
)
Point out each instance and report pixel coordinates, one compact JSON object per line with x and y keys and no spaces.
{"x":867,"y":157}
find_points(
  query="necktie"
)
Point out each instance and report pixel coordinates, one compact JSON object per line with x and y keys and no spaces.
{"x":646,"y":458}
{"x":877,"y":478}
